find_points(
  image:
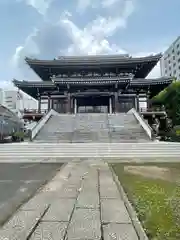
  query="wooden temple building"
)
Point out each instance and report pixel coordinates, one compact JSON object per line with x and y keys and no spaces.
{"x":93,"y":83}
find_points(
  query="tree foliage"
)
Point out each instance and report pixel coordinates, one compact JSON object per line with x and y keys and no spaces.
{"x":170,"y":98}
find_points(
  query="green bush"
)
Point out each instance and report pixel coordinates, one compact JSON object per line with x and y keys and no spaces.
{"x":18,"y":136}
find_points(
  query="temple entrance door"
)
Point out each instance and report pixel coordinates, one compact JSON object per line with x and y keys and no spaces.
{"x":59,"y":105}
{"x":92,"y":109}
{"x":92,"y":104}
{"x":126,"y":103}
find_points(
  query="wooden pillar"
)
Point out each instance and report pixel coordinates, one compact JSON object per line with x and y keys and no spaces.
{"x":75,"y":106}
{"x":110,"y":105}
{"x":148,"y":101}
{"x":68,"y":103}
{"x":52,"y":103}
{"x":49,"y":103}
{"x":116,"y":103}
{"x":108,"y":108}
{"x":72,"y":105}
{"x":137,"y":102}
{"x":39,"y":104}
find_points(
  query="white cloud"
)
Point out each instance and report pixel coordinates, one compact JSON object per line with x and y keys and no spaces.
{"x":107,"y":3}
{"x":40,"y":5}
{"x":129,"y":7}
{"x":93,"y":38}
{"x":30,"y":48}
{"x":83,"y":5}
{"x":7,"y":85}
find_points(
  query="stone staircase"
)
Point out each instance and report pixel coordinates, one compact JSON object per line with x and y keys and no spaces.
{"x":82,"y":136}
{"x":57,"y":129}
{"x":90,"y":128}
{"x":125,"y":128}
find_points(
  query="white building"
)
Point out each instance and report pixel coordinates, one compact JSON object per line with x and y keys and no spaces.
{"x":16,"y":101}
{"x":1,"y":96}
{"x":10,"y":100}
{"x":170,"y":62}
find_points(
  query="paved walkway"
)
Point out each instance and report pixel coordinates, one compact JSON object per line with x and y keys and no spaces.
{"x":82,"y":202}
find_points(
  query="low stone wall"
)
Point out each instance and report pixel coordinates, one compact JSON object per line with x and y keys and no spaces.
{"x":41,"y":123}
{"x":142,"y":122}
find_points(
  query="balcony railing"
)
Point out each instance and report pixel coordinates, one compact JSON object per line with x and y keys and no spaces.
{"x":34,"y":111}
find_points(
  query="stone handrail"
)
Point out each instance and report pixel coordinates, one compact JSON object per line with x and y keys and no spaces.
{"x":41,"y":123}
{"x":143,"y":123}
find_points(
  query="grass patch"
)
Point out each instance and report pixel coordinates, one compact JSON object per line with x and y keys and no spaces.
{"x":156,"y":200}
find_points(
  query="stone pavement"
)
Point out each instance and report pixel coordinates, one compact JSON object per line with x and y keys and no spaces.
{"x":82,"y":202}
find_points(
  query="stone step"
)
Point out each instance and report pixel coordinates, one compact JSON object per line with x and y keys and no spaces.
{"x":28,"y":157}
{"x":40,"y":151}
{"x":92,"y":128}
{"x":74,"y":145}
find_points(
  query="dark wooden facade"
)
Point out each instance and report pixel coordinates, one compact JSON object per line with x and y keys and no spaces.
{"x":93,"y":82}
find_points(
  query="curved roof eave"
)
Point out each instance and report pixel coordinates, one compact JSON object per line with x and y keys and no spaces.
{"x":79,"y":60}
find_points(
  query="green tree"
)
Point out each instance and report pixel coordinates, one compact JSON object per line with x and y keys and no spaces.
{"x":170,"y":98}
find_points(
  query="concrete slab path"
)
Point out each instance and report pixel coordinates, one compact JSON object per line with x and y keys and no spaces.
{"x":82,"y":202}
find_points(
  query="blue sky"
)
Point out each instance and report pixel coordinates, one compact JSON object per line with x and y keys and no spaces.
{"x":49,"y":28}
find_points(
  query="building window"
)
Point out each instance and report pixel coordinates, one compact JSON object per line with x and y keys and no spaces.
{"x":174,"y":72}
{"x":178,"y":45}
{"x":178,"y":60}
{"x":174,"y":64}
{"x":178,"y":52}
{"x":169,"y":61}
{"x":173,"y":57}
{"x":173,"y":51}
